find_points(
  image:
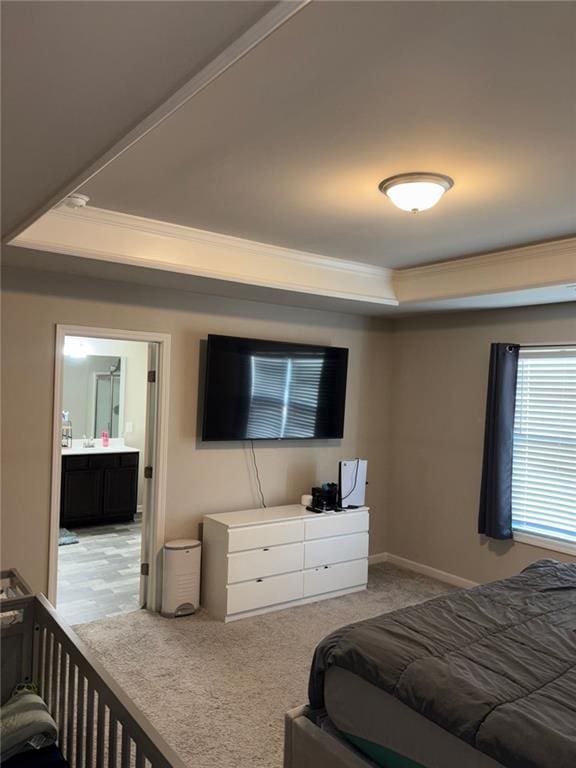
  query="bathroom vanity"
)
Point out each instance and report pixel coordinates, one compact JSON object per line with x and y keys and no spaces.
{"x":99,"y":485}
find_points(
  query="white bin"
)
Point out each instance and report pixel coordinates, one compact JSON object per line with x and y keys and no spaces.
{"x":181,"y":577}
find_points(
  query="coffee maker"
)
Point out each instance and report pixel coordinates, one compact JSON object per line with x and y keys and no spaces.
{"x":324,"y":498}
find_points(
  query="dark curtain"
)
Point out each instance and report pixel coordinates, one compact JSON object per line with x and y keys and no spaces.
{"x":495,"y":518}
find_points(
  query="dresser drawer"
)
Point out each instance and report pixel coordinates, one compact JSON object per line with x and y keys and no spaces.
{"x":334,"y":525}
{"x":335,"y":550}
{"x":260,"y":593}
{"x":268,"y":561}
{"x":267,"y":535}
{"x":329,"y":578}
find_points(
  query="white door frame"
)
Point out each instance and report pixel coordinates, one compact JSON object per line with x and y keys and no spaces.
{"x":160,"y":465}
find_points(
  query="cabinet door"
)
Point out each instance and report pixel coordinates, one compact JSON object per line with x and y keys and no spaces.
{"x":81,"y":494}
{"x":120,"y":491}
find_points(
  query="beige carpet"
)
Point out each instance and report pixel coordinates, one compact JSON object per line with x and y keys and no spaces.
{"x":218,"y":692}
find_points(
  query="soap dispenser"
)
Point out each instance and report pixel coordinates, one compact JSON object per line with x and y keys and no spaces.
{"x":66,"y":430}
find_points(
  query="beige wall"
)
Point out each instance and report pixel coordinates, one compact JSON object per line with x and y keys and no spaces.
{"x":415,"y":409}
{"x":439,"y":375}
{"x":200,"y":479}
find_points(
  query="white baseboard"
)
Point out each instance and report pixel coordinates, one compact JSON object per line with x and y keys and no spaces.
{"x":425,"y":570}
{"x":379,"y":557}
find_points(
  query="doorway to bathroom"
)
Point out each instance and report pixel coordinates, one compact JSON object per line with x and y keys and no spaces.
{"x":108,"y":474}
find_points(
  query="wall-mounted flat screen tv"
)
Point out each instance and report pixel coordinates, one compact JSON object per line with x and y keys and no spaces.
{"x":272,"y":390}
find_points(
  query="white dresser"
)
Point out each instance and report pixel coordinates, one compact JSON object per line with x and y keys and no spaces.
{"x":260,"y":560}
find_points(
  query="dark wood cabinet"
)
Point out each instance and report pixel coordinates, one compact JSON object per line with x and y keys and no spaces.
{"x":98,"y":489}
{"x":120,"y":488}
{"x":81,"y":495}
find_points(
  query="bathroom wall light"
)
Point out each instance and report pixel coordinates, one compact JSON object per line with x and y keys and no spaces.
{"x":415,"y":192}
{"x":76,"y":348}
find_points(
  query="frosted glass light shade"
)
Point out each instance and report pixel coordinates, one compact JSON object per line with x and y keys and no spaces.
{"x":415,"y":192}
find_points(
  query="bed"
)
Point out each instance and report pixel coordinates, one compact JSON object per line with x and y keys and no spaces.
{"x":97,"y":723}
{"x":480,"y":678}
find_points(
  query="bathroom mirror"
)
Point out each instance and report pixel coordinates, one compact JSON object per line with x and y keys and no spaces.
{"x":93,"y":393}
{"x":107,"y":400}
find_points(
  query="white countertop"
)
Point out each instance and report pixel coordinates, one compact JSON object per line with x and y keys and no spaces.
{"x":116,"y":446}
{"x":274,"y":514}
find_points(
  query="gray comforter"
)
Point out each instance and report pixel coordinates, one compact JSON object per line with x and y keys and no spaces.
{"x":494,"y":665}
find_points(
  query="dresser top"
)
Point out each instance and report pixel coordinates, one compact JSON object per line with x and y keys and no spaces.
{"x":275,"y":514}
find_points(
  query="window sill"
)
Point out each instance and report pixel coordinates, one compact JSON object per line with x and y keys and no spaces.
{"x":557,"y":545}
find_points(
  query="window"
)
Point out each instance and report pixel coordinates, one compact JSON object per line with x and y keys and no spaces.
{"x":544,"y":456}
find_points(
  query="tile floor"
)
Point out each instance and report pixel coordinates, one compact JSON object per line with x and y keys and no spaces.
{"x":99,"y":576}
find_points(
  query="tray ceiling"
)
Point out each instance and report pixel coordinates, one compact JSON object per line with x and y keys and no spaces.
{"x":287,"y":146}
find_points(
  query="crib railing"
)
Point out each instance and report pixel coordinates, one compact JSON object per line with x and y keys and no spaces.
{"x":98,"y":724}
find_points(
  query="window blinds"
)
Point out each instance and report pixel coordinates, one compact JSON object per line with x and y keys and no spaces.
{"x":544,"y":457}
{"x":284,"y":397}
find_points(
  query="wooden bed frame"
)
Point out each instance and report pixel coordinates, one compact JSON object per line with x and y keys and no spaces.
{"x":97,"y":723}
{"x":308,"y":746}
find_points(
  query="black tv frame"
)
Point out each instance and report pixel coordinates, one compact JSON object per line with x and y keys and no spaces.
{"x":205,"y":388}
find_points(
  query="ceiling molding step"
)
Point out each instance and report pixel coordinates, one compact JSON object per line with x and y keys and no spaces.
{"x":119,"y":238}
{"x":125,"y":239}
{"x":514,"y":269}
{"x":205,"y":237}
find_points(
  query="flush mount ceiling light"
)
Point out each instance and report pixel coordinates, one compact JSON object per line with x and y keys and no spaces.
{"x":415,"y":192}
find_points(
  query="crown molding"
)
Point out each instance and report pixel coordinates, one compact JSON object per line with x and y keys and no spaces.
{"x":122,"y":238}
{"x":563,"y":247}
{"x":201,"y":237}
{"x":513,"y":269}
